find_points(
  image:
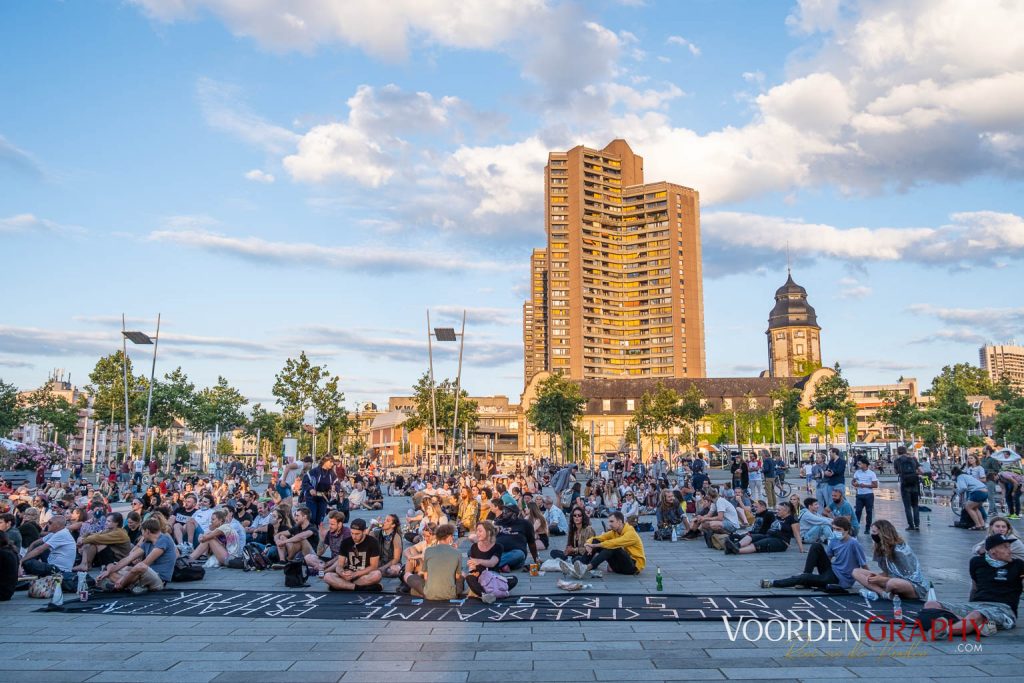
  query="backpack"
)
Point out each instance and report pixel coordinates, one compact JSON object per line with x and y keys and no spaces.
{"x":907,"y":470}
{"x":185,"y":570}
{"x":254,"y":559}
{"x":494,"y":583}
{"x":295,"y":574}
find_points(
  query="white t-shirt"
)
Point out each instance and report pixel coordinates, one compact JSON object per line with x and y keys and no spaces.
{"x":727,"y":509}
{"x":138,"y":466}
{"x":62,"y":549}
{"x":862,"y":480}
{"x":357,"y":498}
{"x":290,"y":475}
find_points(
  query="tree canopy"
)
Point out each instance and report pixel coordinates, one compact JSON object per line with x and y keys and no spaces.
{"x":558,"y":406}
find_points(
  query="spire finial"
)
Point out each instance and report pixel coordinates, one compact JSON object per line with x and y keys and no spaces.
{"x":789,"y":261}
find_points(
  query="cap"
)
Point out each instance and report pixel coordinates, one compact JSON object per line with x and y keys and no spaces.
{"x":997,"y":539}
{"x":359,"y":524}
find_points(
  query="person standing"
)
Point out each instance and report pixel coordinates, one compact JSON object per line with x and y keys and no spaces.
{"x":768,"y":470}
{"x":909,"y":472}
{"x":755,"y":469}
{"x":992,"y":468}
{"x":835,"y":472}
{"x":864,"y":484}
{"x":317,"y":485}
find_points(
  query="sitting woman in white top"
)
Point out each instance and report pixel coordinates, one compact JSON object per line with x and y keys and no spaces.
{"x":900,"y":571}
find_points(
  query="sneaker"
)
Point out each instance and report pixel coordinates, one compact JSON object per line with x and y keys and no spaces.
{"x":278,"y":565}
{"x":731,"y":547}
{"x":988,"y":628}
{"x":373,"y":588}
{"x":869,"y":595}
{"x":566,"y":568}
{"x":488,"y":598}
{"x":139,"y":589}
{"x":596,"y":574}
{"x":835,"y":588}
{"x":911,"y":528}
{"x":403,"y":590}
{"x":513,"y":581}
{"x":580,"y":570}
{"x":707,"y":539}
{"x":766,"y":583}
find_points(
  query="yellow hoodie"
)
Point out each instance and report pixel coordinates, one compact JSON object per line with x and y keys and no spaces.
{"x":628,"y":540}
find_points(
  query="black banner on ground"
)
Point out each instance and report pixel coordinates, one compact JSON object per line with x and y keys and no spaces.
{"x":559,"y":607}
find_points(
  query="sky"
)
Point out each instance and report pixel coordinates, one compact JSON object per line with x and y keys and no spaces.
{"x":315,"y":175}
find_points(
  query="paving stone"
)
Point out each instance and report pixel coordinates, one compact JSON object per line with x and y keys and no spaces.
{"x":741,"y":673}
{"x":155,"y":677}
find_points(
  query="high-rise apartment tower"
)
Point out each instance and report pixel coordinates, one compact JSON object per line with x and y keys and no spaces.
{"x":1003,"y":361}
{"x":622,"y":284}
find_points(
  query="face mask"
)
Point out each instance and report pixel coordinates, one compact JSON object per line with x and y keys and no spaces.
{"x":876,"y":538}
{"x":994,"y":562}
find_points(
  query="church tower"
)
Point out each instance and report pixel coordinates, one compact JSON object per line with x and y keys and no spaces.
{"x":794,"y":337}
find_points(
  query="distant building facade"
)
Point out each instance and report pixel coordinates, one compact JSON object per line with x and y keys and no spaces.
{"x":1003,"y":361}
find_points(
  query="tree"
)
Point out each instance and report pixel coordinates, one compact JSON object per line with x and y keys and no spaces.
{"x":951,"y":415}
{"x":832,"y":400}
{"x":173,"y":397}
{"x":786,"y":408}
{"x":267,"y":425}
{"x":106,"y":386}
{"x":444,"y":397}
{"x":220,"y":406}
{"x":969,"y":379}
{"x":294,"y":388}
{"x":225,"y":446}
{"x":11,"y":414}
{"x":690,"y":410}
{"x":558,"y":406}
{"x":898,"y":410}
{"x":329,"y":406}
{"x":1009,"y":421}
{"x":45,"y":409}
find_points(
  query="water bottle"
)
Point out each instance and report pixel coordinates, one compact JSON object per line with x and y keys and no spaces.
{"x":658,"y":578}
{"x":675,"y":536}
{"x":83,"y":587}
{"x":897,"y":608}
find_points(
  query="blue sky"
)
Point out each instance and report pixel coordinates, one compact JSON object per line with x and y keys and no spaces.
{"x":273,"y":177}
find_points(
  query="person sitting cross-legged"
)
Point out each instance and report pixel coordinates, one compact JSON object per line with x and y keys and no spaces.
{"x":441,"y":577}
{"x":222,"y":541}
{"x":299,"y":539}
{"x":149,"y":566}
{"x":900,"y":570}
{"x":830,"y":568}
{"x":106,"y":547}
{"x":620,"y":547}
{"x":358,"y":562}
{"x":722,"y":517}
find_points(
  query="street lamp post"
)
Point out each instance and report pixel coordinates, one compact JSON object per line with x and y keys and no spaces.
{"x":445,"y":334}
{"x":140,"y":338}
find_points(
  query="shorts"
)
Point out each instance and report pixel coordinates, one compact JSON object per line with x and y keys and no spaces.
{"x":977,"y":496}
{"x":996,"y":612}
{"x":729,"y":526}
{"x":151,"y":580}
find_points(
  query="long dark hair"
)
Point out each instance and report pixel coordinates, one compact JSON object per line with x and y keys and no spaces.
{"x":573,"y":529}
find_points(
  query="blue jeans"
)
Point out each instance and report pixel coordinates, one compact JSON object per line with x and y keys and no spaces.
{"x":991,"y":487}
{"x":514,"y":559}
{"x":822,"y":533}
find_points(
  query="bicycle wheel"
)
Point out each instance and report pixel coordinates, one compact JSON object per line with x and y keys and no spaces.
{"x":956,"y":504}
{"x":941,"y":479}
{"x":783,"y":489}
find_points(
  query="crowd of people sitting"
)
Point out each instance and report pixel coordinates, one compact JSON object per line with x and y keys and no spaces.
{"x":468,"y":535}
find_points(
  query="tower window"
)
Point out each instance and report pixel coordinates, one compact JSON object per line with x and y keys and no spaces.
{"x":780,"y":335}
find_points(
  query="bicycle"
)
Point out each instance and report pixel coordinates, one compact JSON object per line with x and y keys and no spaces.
{"x":783,"y":488}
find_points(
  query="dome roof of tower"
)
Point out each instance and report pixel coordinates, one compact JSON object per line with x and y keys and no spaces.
{"x":791,"y":307}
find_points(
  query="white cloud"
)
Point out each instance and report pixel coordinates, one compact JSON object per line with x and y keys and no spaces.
{"x":971,"y":238}
{"x":851,"y":288}
{"x":26,"y":223}
{"x":17,"y":159}
{"x":223,"y":110}
{"x":478,"y":315}
{"x":614,"y":94}
{"x":382,"y":29}
{"x":811,"y":16}
{"x":258,"y":176}
{"x":370,"y":146}
{"x":975,"y":325}
{"x":378,"y":260}
{"x":679,"y":40}
{"x":507,"y":176}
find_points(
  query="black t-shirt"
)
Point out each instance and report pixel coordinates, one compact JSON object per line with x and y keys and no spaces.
{"x":1002,"y":584}
{"x":245,"y":516}
{"x":782,"y":528}
{"x":133,"y":536}
{"x":358,"y":556}
{"x":296,"y":530}
{"x":515,"y":534}
{"x":181,"y":515}
{"x":477,"y":554}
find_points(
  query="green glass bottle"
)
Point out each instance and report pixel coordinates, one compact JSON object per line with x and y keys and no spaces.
{"x":661,"y":586}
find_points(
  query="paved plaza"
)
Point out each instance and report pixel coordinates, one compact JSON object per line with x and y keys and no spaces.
{"x":63,"y":647}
